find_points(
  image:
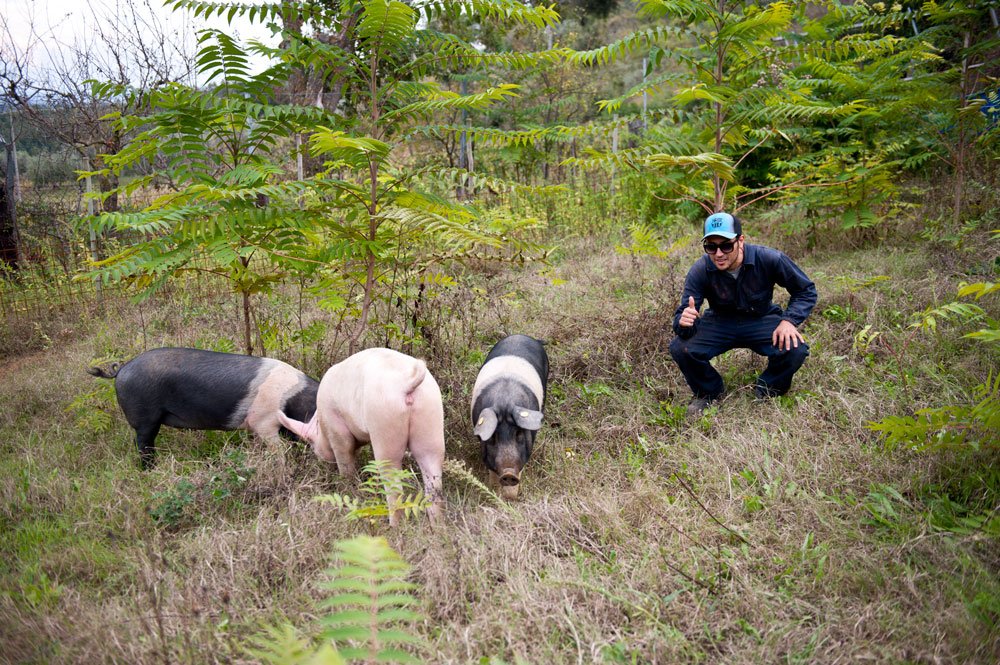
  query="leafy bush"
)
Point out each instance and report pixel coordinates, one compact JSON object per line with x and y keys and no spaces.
{"x":969,"y":426}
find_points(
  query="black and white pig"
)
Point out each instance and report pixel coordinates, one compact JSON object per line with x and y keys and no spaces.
{"x":507,"y":402}
{"x":197,"y":389}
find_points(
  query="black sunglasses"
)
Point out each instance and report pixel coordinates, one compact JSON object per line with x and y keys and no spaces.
{"x":726,"y":247}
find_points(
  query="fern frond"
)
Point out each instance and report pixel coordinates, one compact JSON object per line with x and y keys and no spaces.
{"x":628,"y":45}
{"x":978,"y":289}
{"x":283,"y":645}
{"x":954,"y":426}
{"x":356,"y":152}
{"x":845,"y":48}
{"x":256,"y":13}
{"x":452,"y":234}
{"x":694,"y":11}
{"x":450,"y":50}
{"x":757,"y":24}
{"x":627,"y":158}
{"x":221,"y":58}
{"x":372,"y":599}
{"x":649,"y":85}
{"x":480,"y":181}
{"x":385,"y":26}
{"x":502,"y":138}
{"x":965,"y":312}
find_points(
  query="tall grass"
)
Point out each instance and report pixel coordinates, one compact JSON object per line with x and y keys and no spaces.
{"x":778,"y":531}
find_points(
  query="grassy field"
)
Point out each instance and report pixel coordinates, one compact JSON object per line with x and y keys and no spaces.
{"x":766,"y":532}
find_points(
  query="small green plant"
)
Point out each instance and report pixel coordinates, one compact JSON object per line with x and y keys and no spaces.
{"x":284,"y":645}
{"x":752,"y":501}
{"x":592,"y":393}
{"x":234,"y":476}
{"x":670,"y":415}
{"x":40,"y":591}
{"x":175,"y":507}
{"x":635,"y":454}
{"x":369,"y":607}
{"x":972,"y":426}
{"x":380,"y":485}
{"x":170,"y":507}
{"x":839,"y":313}
{"x":883,"y":504}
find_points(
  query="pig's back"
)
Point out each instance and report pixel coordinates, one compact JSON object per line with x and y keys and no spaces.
{"x":190,"y":388}
{"x":373,"y":385}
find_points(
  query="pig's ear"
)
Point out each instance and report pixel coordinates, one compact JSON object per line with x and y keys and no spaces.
{"x":528,"y":419}
{"x":486,"y":425}
{"x":305,"y":431}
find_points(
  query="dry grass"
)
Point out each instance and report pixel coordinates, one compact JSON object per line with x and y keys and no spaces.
{"x":747,"y":537}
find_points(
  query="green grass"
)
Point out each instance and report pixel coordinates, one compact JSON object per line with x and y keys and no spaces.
{"x":766,"y":532}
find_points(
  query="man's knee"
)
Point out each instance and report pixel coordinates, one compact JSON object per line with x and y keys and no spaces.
{"x":798,"y":354}
{"x":678,"y":347}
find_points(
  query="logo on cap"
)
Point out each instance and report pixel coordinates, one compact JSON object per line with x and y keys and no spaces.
{"x":721,"y":224}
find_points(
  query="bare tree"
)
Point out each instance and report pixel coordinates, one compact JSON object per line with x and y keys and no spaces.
{"x":46,"y":76}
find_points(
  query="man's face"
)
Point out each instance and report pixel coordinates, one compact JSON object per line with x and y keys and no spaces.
{"x":719,"y":256}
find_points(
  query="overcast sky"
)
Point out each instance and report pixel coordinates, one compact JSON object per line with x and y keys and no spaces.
{"x":55,"y":26}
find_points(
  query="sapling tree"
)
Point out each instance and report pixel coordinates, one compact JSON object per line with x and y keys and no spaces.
{"x":747,"y":91}
{"x":963,"y":134}
{"x":223,"y":207}
{"x":369,"y":218}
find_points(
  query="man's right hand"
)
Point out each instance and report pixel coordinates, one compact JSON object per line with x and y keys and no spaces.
{"x":689,"y":315}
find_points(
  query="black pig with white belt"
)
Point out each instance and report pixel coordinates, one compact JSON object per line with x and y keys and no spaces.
{"x":197,"y":389}
{"x":507,"y":402}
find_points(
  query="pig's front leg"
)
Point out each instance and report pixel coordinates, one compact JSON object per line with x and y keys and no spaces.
{"x":338,"y":444}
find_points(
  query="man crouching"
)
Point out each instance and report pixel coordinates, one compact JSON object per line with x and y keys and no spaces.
{"x":738,"y":280}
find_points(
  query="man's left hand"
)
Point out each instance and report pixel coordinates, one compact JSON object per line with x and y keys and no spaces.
{"x":786,"y":336}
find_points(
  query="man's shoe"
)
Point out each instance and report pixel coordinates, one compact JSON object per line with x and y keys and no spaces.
{"x":697,"y":407}
{"x":763,"y":393}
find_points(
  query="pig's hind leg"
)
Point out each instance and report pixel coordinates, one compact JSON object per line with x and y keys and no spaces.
{"x":425,"y":441}
{"x":145,"y":440}
{"x":268,"y":430}
{"x":389,"y":439}
{"x":429,"y":454}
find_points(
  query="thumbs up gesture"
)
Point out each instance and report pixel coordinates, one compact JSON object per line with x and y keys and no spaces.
{"x":690,"y":314}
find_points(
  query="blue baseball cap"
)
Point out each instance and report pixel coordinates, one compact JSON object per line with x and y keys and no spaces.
{"x":722,"y":224}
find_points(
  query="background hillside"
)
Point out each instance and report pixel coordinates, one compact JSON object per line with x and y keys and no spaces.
{"x":384,"y":184}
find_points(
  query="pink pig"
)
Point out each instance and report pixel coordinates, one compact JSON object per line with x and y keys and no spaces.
{"x":385,"y":398}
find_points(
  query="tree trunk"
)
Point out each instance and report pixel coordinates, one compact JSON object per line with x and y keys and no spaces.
{"x":245,"y":294}
{"x":962,"y":147}
{"x":10,"y":246}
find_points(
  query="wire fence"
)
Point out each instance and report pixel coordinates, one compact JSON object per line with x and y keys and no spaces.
{"x":54,"y":257}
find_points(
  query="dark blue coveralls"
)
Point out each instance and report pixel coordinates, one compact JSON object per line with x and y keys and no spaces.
{"x":741,"y":314}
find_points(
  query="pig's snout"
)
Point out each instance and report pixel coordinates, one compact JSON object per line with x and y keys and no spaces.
{"x":509,"y":477}
{"x":510,"y":483}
